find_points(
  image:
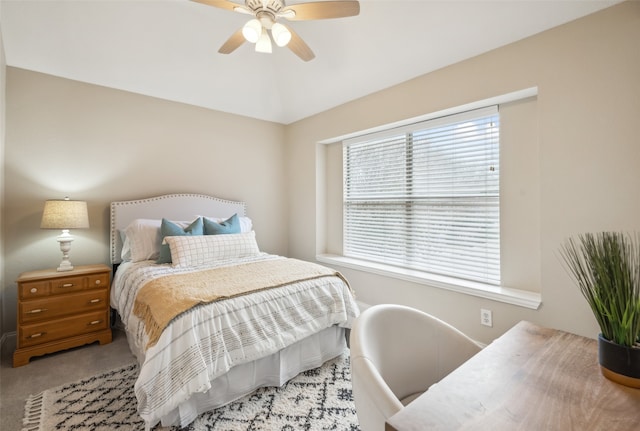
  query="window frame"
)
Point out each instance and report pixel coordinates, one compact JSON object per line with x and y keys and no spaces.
{"x":328,"y":251}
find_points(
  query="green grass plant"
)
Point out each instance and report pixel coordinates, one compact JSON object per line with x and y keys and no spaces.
{"x":606,"y":267}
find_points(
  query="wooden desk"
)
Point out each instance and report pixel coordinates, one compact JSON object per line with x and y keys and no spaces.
{"x":531,"y":378}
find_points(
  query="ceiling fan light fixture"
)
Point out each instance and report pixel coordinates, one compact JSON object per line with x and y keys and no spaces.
{"x":281,"y":34}
{"x":264,"y":30}
{"x":264,"y":42}
{"x":252,"y":30}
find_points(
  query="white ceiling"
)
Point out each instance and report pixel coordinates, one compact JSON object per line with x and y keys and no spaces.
{"x":168,"y":48}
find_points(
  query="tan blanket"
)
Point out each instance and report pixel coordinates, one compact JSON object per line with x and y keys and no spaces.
{"x":164,"y":298}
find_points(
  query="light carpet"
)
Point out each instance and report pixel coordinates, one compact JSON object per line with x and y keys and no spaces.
{"x":315,"y":400}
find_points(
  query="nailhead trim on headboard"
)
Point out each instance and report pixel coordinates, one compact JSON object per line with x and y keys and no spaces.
{"x":177,"y":206}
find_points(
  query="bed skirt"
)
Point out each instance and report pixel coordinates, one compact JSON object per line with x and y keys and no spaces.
{"x":273,"y":370}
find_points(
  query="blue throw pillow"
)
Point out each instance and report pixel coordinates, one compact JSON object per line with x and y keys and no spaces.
{"x":230,"y":225}
{"x":169,"y":228}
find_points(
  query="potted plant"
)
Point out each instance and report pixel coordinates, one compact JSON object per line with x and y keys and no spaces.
{"x":606,"y":267}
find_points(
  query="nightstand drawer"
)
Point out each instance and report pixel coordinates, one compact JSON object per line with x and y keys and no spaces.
{"x":58,"y":306}
{"x":30,"y":335}
{"x":98,"y":280}
{"x":34,"y":289}
{"x":67,"y":284}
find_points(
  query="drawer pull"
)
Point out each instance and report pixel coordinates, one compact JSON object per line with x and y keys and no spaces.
{"x":39,"y":334}
{"x":98,"y":281}
{"x":95,"y":322}
{"x":67,"y":285}
{"x":36,"y":310}
{"x":95,"y":301}
{"x":33,"y":290}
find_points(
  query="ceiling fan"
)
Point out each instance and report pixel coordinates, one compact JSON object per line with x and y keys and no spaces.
{"x":265,"y":26}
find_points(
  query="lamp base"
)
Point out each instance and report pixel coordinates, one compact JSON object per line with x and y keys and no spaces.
{"x":65,"y":246}
{"x":65,"y":266}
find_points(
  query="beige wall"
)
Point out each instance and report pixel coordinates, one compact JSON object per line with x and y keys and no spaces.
{"x":586,"y":172}
{"x":100,"y":145}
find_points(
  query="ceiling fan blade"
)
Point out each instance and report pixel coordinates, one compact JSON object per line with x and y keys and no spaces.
{"x":232,"y":43}
{"x":320,"y":10}
{"x":299,"y":47}
{"x":224,"y":4}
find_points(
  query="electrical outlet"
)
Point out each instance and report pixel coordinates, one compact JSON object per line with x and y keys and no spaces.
{"x":486,"y":317}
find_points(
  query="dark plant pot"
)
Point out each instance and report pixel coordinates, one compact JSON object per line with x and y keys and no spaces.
{"x":618,"y":363}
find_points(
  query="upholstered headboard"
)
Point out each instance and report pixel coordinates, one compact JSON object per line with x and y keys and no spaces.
{"x":182,"y":206}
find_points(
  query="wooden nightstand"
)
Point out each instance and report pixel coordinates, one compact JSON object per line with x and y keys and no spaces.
{"x":60,"y":310}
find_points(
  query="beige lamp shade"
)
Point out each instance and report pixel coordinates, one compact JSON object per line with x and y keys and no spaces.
{"x":65,"y":214}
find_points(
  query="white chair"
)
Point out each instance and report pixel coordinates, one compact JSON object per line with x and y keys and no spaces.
{"x":397,"y":353}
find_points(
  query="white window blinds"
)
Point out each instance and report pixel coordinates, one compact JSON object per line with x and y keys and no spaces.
{"x":427,"y":196}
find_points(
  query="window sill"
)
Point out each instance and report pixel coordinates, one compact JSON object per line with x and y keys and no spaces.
{"x":507,"y":295}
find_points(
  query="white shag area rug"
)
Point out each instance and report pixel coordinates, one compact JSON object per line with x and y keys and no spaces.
{"x":315,"y":400}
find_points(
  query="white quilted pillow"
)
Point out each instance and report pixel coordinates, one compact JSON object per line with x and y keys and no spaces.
{"x":205,"y":249}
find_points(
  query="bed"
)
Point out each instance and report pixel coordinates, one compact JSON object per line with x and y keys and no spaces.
{"x":219,"y":318}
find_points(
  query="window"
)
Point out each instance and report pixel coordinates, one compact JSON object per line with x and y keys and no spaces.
{"x":427,"y":196}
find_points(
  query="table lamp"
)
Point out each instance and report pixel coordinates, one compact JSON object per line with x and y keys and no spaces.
{"x":65,"y":214}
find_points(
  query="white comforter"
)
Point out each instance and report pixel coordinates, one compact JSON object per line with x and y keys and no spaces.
{"x":210,"y":339}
